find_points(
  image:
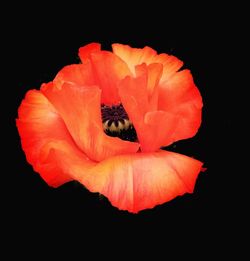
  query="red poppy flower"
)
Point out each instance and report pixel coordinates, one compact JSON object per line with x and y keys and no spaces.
{"x":103,"y":122}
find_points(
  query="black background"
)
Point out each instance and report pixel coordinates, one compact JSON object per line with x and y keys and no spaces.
{"x":40,"y":41}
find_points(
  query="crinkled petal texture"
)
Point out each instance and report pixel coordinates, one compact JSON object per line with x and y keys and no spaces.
{"x":63,"y":139}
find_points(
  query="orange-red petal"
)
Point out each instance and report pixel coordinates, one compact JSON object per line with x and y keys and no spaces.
{"x":152,"y":74}
{"x":100,"y":68}
{"x":80,"y":74}
{"x":171,"y":65}
{"x":137,"y":56}
{"x":108,"y":70}
{"x":85,"y":51}
{"x":143,"y":180}
{"x":162,"y":113}
{"x":134,"y":56}
{"x":80,"y":108}
{"x":66,"y":158}
{"x":181,"y":98}
{"x":139,"y":97}
{"x":40,"y":126}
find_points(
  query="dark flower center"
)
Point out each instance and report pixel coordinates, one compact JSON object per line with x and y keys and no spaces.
{"x":116,"y":122}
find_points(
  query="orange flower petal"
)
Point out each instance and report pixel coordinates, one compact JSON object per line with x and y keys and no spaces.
{"x":79,"y":106}
{"x":171,"y":65}
{"x":136,"y":56}
{"x":39,"y":124}
{"x":180,"y":97}
{"x":108,"y":70}
{"x":143,"y":180}
{"x":60,"y":156}
{"x":80,"y":74}
{"x":85,"y":51}
{"x":152,"y":75}
{"x":139,"y":97}
{"x":133,"y":94}
{"x":143,"y":89}
{"x":161,"y":113}
{"x":100,"y":68}
{"x":160,"y":126}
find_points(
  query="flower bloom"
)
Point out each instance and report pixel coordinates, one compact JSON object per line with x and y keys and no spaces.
{"x":103,"y":122}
